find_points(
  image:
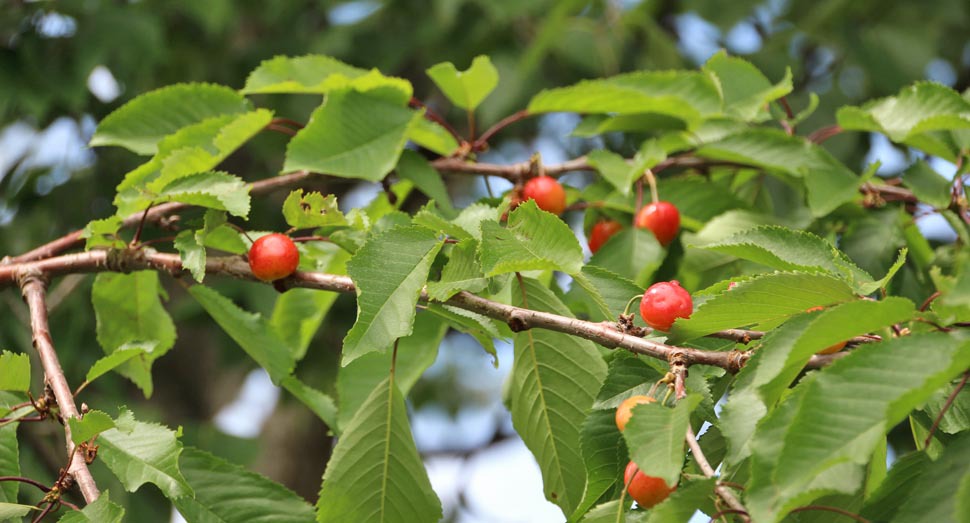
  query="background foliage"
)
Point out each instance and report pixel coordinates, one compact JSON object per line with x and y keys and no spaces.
{"x":843,"y":52}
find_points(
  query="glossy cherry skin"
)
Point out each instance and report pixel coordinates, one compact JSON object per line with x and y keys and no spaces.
{"x":661,"y":218}
{"x":625,"y":411}
{"x":547,"y":192}
{"x":646,"y":490}
{"x":602,"y":231}
{"x":663,"y":303}
{"x":273,"y":256}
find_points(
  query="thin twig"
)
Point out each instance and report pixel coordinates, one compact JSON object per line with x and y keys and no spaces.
{"x":34,"y":287}
{"x":141,"y":225}
{"x":679,"y":369}
{"x":824,"y":133}
{"x":946,"y":407}
{"x":482,"y":142}
{"x":722,"y":513}
{"x":74,"y":239}
{"x":430,"y":114}
{"x":28,"y":481}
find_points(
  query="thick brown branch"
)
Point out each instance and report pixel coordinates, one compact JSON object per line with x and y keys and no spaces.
{"x":34,"y":289}
{"x":517,"y":318}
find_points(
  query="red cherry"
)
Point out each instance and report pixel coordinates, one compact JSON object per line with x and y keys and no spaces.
{"x":662,"y":218}
{"x":601,"y":232}
{"x":547,"y":192}
{"x":273,"y":256}
{"x":663,"y":303}
{"x":625,"y":411}
{"x":646,"y":490}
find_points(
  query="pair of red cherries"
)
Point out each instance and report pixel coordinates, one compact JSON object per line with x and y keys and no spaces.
{"x":661,"y":218}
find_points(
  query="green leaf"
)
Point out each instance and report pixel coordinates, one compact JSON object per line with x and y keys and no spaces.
{"x":187,"y":153}
{"x":613,"y":168}
{"x":783,"y":354}
{"x":687,"y":95}
{"x":412,"y":166}
{"x":141,"y":123}
{"x":466,"y":225}
{"x":389,"y":271}
{"x":482,"y":328}
{"x":249,"y":330}
{"x":139,"y":453}
{"x":9,"y":511}
{"x":191,"y":253}
{"x":225,"y":491}
{"x":896,"y":488}
{"x":461,"y":273}
{"x":321,"y":404}
{"x":746,"y":90}
{"x":604,"y":293}
{"x":829,"y":182}
{"x":353,"y":135}
{"x":9,"y":451}
{"x":415,"y":354}
{"x":817,"y":442}
{"x":655,"y":436}
{"x":941,"y":493}
{"x":467,"y":88}
{"x":533,"y":240}
{"x":212,"y":189}
{"x":957,"y":416}
{"x":101,"y":510}
{"x":311,"y":210}
{"x":632,"y":253}
{"x":788,"y":249}
{"x":14,"y":371}
{"x":375,"y":473}
{"x":604,"y":454}
{"x":129,"y":310}
{"x":552,"y":386}
{"x":433,"y":137}
{"x":764,"y":301}
{"x":912,"y":116}
{"x":93,"y":423}
{"x":310,"y":74}
{"x":629,"y":375}
{"x":683,"y":502}
{"x":927,"y":185}
{"x":103,"y":233}
{"x":117,"y":358}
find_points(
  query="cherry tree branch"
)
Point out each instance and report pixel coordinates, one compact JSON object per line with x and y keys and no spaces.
{"x":518,"y":319}
{"x":34,"y":288}
{"x":156,"y":213}
{"x":679,"y":369}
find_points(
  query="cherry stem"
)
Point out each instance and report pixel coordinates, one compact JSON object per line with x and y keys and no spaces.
{"x":471,"y":125}
{"x":430,"y":114}
{"x":652,"y":180}
{"x":482,"y":141}
{"x":141,"y":225}
{"x":626,"y":310}
{"x":725,"y":512}
{"x":28,"y":481}
{"x":946,"y":407}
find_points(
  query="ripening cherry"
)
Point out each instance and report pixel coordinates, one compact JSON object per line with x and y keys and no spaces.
{"x":273,"y":256}
{"x":603,"y":230}
{"x":547,"y":192}
{"x":834,"y":348}
{"x":646,"y":490}
{"x":663,"y":303}
{"x":625,"y":411}
{"x":661,"y":218}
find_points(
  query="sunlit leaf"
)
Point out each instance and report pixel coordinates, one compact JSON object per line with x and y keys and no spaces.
{"x":141,"y":123}
{"x":14,"y":371}
{"x":534,"y":239}
{"x":139,"y":453}
{"x":465,"y":89}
